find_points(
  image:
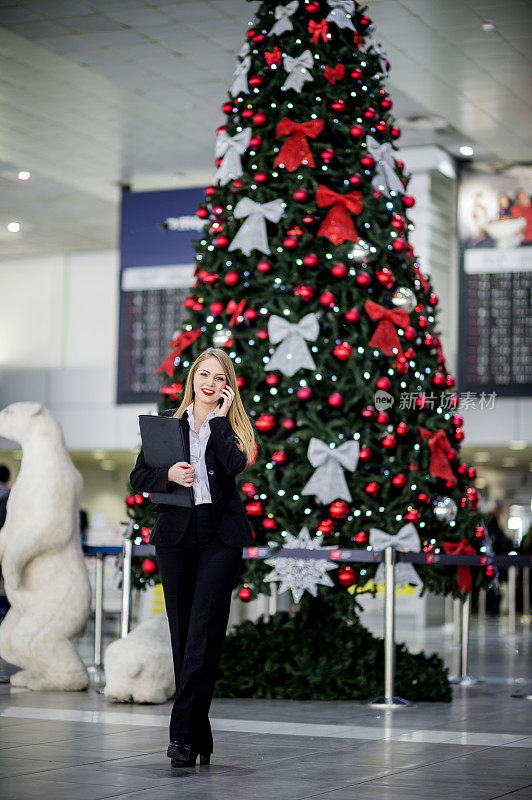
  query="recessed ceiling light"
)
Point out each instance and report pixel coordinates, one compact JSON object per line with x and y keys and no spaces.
{"x":99,"y":454}
{"x":482,"y":456}
{"x":466,"y":150}
{"x":13,"y":227}
{"x":24,"y":176}
{"x":509,"y":461}
{"x":487,"y":27}
{"x":107,"y":464}
{"x":517,"y":444}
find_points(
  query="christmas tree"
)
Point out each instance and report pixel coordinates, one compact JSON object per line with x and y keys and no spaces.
{"x":305,"y":276}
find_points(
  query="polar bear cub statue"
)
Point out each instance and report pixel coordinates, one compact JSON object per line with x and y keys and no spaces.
{"x":44,"y":571}
{"x":139,"y":667}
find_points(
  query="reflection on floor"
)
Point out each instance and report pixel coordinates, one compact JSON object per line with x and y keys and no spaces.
{"x":479,"y":747}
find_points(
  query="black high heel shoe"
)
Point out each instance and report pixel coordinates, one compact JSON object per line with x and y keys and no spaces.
{"x":183,"y":755}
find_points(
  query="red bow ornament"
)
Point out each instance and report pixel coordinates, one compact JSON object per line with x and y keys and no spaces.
{"x":463,"y":573}
{"x":440,"y":453}
{"x":181,"y":342}
{"x":333,"y":74}
{"x":235,"y":309}
{"x":295,"y":151}
{"x":273,"y":58}
{"x":338,"y":225}
{"x":318,"y":29}
{"x":385,"y":337}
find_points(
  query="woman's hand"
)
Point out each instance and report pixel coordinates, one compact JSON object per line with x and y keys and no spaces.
{"x":228,"y":396}
{"x":181,"y":472}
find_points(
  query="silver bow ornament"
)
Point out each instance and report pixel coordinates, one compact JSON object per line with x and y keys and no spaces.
{"x":298,"y":70}
{"x":405,"y":540}
{"x":244,"y":50}
{"x":377,"y":47}
{"x":328,"y":482}
{"x":385,"y":174}
{"x":231,"y":148}
{"x":292,"y":354}
{"x":282,"y":15}
{"x":341,"y":13}
{"x":252,"y":233}
{"x":240,"y":83}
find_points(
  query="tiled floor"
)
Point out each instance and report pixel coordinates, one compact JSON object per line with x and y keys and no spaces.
{"x":78,"y":746}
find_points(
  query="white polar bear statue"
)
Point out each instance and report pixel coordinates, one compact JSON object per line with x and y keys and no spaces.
{"x":44,"y":571}
{"x":139,"y":667}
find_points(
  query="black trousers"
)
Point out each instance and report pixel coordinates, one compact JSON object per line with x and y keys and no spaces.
{"x":198,"y":576}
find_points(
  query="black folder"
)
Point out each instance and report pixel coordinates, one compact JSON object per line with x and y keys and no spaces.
{"x":163,"y":445}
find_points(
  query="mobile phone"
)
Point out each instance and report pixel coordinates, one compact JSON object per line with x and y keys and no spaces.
{"x":220,"y":401}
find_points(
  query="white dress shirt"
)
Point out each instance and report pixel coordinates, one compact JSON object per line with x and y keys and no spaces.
{"x":198,"y":444}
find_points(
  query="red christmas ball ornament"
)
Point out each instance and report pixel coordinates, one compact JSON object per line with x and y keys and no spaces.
{"x":218,"y":161}
{"x":480,"y":532}
{"x":279,"y":457}
{"x":265,"y":422}
{"x":255,"y":142}
{"x":399,"y":480}
{"x":250,"y":314}
{"x":305,"y":291}
{"x":339,"y":270}
{"x":357,"y":132}
{"x":272,"y":380}
{"x":217,"y":211}
{"x":288,"y":424}
{"x":364,"y":454}
{"x":290,"y":243}
{"x":412,"y":515}
{"x":423,"y":498}
{"x":408,"y":201}
{"x":130,"y":500}
{"x":327,"y":299}
{"x":148,"y":566}
{"x":410,"y":333}
{"x":381,"y":127}
{"x":399,"y":244}
{"x":450,"y":382}
{"x":304,"y":394}
{"x":364,"y":279}
{"x":189,"y":302}
{"x":372,"y":488}
{"x":251,"y":33}
{"x":264,"y":266}
{"x":312,"y":8}
{"x":221,"y":129}
{"x":368,"y":162}
{"x":249,"y":489}
{"x":342,"y":351}
{"x":236,"y":185}
{"x":309,"y":220}
{"x":327,"y":155}
{"x":386,"y":277}
{"x":409,"y":353}
{"x":261,"y":177}
{"x":247,"y":113}
{"x":459,"y":434}
{"x":389,"y":442}
{"x":361,"y":537}
{"x":145,"y":534}
{"x":197,"y":306}
{"x":473,"y":497}
{"x":336,"y":400}
{"x":221,"y":241}
{"x":326,"y":526}
{"x":347,"y":576}
{"x":339,"y":509}
{"x":311,"y":260}
{"x":231,"y":278}
{"x":384,"y":383}
{"x":356,"y":181}
{"x":300,"y":195}
{"x":245,"y":594}
{"x":471,"y":473}
{"x":139,"y":500}
{"x":258,"y":38}
{"x":383,"y":418}
{"x":240,"y":382}
{"x":438,"y":379}
{"x":255,"y":80}
{"x":255,"y":508}
{"x":227,"y":108}
{"x":353,"y":315}
{"x":462,"y":468}
{"x":210,"y":190}
{"x":269,"y":524}
{"x":369,"y":413}
{"x":338,"y":105}
{"x":364,"y":21}
{"x":434,"y":299}
{"x":202,"y":212}
{"x":398,"y":223}
{"x":262,"y":333}
{"x":491,"y":571}
{"x":357,"y":74}
{"x":216,"y":308}
{"x":386,"y":103}
{"x":395,"y":131}
{"x":370,"y":113}
{"x":402,"y":429}
{"x":400,"y":164}
{"x":259,"y":118}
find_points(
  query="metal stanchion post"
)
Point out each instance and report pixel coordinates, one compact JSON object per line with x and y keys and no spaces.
{"x":481,"y":607}
{"x":95,"y":670}
{"x":389,"y":700}
{"x":457,"y":622}
{"x":464,"y":679}
{"x":127,"y":554}
{"x":525,"y":619}
{"x":512,"y":575}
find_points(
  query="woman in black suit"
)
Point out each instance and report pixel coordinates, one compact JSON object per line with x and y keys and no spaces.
{"x":199,"y":549}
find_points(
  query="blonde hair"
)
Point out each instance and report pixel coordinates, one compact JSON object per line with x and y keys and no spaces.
{"x":236,"y":416}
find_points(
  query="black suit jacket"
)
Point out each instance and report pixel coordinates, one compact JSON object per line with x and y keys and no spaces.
{"x":223,"y":460}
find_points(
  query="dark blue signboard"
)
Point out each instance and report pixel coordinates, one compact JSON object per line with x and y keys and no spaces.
{"x":156,"y":272}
